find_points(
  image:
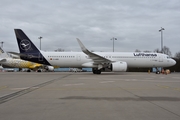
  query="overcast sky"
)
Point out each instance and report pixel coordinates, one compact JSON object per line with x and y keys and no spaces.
{"x":135,"y":24}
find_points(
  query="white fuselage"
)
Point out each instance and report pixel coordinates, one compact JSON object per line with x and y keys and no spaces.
{"x":80,"y":59}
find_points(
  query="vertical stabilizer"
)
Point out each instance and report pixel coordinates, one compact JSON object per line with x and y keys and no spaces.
{"x":3,"y":54}
{"x":24,"y":43}
{"x":28,"y":50}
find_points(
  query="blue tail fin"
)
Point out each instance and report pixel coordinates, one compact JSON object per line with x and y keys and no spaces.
{"x":24,"y":43}
{"x":28,"y":51}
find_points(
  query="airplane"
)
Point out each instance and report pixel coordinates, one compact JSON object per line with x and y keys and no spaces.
{"x":7,"y":60}
{"x":98,"y":61}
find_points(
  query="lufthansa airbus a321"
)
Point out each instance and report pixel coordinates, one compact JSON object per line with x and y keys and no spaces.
{"x":98,"y":61}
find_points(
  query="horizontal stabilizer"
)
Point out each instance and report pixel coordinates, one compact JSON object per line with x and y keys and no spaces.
{"x":18,"y":54}
{"x":23,"y":55}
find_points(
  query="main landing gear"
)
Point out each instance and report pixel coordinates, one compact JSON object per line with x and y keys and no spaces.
{"x":96,"y":71}
{"x":158,"y":71}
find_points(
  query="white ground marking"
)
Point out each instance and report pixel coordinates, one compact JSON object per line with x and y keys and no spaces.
{"x":73,"y":84}
{"x":106,"y":81}
{"x":19,"y":88}
{"x":24,"y":88}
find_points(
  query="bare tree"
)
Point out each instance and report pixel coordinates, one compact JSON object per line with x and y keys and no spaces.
{"x":59,"y":50}
{"x":177,"y":55}
{"x":147,"y":51}
{"x":137,"y":50}
{"x":157,"y":50}
{"x":166,"y":51}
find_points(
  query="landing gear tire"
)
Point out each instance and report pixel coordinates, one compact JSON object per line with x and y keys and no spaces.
{"x":98,"y":71}
{"x":95,"y":71}
{"x":157,"y":72}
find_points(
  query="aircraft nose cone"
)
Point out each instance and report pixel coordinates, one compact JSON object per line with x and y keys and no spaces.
{"x":173,"y":62}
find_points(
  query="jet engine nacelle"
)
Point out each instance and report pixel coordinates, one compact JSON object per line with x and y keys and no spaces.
{"x":49,"y":68}
{"x":119,"y":66}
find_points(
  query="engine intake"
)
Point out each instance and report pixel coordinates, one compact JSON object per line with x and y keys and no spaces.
{"x":49,"y":68}
{"x":118,"y":66}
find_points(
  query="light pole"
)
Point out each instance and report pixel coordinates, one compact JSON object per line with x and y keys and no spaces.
{"x":40,"y":41}
{"x":161,"y":30}
{"x":2,"y":44}
{"x":113,"y":42}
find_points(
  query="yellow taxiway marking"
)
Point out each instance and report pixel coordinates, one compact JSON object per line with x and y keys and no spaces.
{"x":168,"y":87}
{"x":3,"y":87}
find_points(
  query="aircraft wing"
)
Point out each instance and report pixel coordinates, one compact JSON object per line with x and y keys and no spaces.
{"x":96,"y":58}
